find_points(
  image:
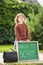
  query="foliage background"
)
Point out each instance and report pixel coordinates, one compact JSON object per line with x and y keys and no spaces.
{"x":34,"y":14}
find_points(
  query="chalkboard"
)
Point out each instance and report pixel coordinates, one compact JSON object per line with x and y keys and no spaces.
{"x":27,"y":50}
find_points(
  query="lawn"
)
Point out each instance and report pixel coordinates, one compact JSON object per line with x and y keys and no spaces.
{"x":41,"y":51}
{"x":5,"y":47}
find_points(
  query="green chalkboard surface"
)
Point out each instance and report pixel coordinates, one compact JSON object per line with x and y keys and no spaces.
{"x":27,"y":50}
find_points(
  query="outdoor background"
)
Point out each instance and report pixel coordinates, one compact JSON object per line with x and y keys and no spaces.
{"x":34,"y":20}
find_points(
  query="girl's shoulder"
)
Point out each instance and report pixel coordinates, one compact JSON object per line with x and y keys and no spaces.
{"x":17,"y":25}
{"x":25,"y":24}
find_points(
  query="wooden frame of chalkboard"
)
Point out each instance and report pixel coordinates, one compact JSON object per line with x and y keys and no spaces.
{"x":19,"y":42}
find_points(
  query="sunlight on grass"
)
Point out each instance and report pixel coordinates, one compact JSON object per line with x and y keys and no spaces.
{"x":5,"y":47}
{"x":41,"y":51}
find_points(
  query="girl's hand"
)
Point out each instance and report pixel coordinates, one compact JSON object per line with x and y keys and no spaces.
{"x":27,"y":40}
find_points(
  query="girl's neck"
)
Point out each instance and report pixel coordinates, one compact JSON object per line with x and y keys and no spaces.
{"x":20,"y":23}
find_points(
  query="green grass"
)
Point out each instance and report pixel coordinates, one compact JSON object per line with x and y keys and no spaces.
{"x":41,"y":51}
{"x":5,"y":47}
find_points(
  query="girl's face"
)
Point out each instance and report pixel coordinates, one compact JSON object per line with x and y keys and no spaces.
{"x":21,"y":19}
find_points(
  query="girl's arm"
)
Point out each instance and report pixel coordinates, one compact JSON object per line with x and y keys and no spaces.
{"x":17,"y":33}
{"x":27,"y":34}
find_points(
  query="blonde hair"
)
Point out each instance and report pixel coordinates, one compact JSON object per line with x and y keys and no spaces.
{"x":16,"y":18}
